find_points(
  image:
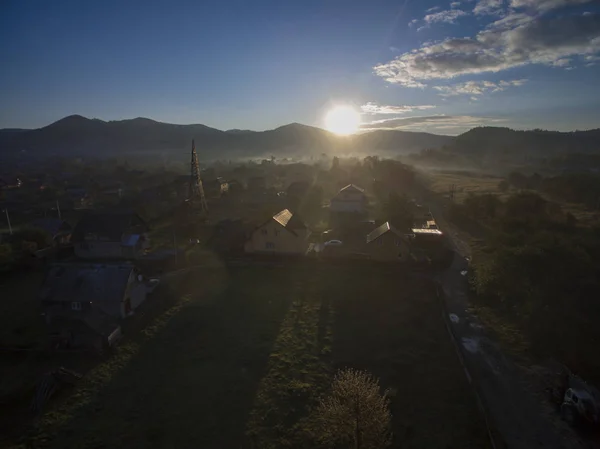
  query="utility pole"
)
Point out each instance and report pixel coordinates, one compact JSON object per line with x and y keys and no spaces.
{"x":58,"y":209}
{"x":8,"y":219}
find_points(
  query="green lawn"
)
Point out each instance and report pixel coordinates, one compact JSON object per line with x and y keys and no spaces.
{"x":241,"y":356}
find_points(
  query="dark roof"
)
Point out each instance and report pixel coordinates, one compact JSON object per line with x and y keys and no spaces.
{"x":379,"y":231}
{"x":88,"y":282}
{"x":111,"y":224}
{"x":289,"y":220}
{"x":51,"y":225}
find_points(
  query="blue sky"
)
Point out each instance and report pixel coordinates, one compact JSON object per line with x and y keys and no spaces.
{"x":437,"y":66}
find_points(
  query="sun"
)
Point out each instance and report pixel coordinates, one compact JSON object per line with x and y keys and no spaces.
{"x":342,"y":120}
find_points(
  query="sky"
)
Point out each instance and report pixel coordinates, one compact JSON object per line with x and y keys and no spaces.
{"x":416,"y":65}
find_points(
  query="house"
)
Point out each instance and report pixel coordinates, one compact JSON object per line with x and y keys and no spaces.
{"x":350,"y":199}
{"x":59,"y":231}
{"x":235,"y":186}
{"x":85,"y":303}
{"x":284,"y":233}
{"x":385,"y":243}
{"x":110,"y":235}
{"x":428,"y":240}
{"x":215,"y":188}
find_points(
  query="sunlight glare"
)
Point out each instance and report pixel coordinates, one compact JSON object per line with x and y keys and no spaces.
{"x":342,"y":120}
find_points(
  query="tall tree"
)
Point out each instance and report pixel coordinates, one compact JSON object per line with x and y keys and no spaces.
{"x":356,"y":413}
{"x":398,"y":211}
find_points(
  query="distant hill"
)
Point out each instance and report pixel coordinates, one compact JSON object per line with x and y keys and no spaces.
{"x":490,"y":141}
{"x":386,"y":140}
{"x":8,"y":134}
{"x":79,"y":135}
{"x":501,"y":148}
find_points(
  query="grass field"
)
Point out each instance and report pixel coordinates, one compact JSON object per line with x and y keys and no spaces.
{"x":241,"y":356}
{"x":465,"y":182}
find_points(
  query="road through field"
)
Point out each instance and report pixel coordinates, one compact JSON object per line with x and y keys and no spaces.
{"x":518,"y":417}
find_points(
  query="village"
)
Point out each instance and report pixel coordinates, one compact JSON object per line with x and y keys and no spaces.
{"x":100,"y":268}
{"x":267,"y":274}
{"x":96,"y":274}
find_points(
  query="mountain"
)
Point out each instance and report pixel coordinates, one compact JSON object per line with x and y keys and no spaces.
{"x":8,"y":134}
{"x":503,"y":144}
{"x":79,"y":135}
{"x":495,"y":148}
{"x":239,"y":131}
{"x":389,"y":140}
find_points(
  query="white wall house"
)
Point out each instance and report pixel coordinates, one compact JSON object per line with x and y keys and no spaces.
{"x":284,"y":233}
{"x":349,"y":199}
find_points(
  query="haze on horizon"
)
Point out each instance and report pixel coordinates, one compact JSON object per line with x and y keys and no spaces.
{"x":434,"y":66}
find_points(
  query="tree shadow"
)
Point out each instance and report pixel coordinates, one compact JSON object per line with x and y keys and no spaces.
{"x":193,"y":383}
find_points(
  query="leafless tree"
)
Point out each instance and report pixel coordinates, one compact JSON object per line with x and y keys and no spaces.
{"x":356,"y":414}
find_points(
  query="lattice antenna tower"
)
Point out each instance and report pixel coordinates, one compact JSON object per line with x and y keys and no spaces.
{"x":196,"y":191}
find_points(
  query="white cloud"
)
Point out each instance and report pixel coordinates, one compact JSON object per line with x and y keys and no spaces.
{"x":375,"y":109}
{"x":476,"y":87}
{"x":454,"y":4}
{"x":591,"y":60}
{"x":449,"y":124}
{"x":448,"y":16}
{"x":489,"y":7}
{"x":435,"y":8}
{"x":513,"y":83}
{"x":545,"y":5}
{"x":413,"y":22}
{"x":563,"y":62}
{"x":507,"y":43}
{"x":511,"y":20}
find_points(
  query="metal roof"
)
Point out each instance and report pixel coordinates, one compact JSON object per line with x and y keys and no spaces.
{"x":426,"y":231}
{"x":289,"y":220}
{"x":353,"y":188}
{"x":379,"y":231}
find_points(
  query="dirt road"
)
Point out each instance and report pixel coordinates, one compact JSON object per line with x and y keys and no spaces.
{"x":519,"y":417}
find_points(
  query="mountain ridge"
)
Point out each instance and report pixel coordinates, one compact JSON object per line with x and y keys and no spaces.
{"x":76,"y":134}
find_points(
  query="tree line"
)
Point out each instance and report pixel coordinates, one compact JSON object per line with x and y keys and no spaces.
{"x":541,"y":271}
{"x":582,"y":188}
